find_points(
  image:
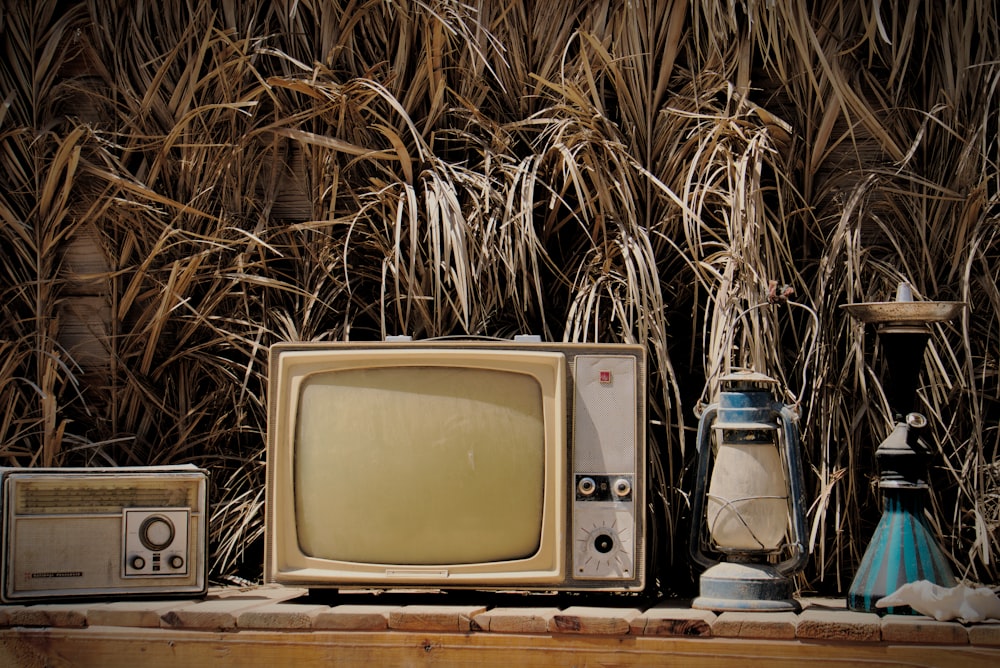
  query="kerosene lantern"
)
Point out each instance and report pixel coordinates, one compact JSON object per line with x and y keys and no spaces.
{"x":747,"y":507}
{"x":903,"y":548}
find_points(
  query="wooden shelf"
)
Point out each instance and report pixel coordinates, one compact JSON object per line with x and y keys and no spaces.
{"x":267,"y":626}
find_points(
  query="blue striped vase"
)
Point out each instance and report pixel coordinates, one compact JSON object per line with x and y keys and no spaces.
{"x":902,"y":550}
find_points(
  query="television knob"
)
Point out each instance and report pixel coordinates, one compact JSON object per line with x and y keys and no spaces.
{"x":622,"y":487}
{"x":586,"y":486}
{"x":137,"y":563}
{"x":604,"y":543}
{"x":175,"y":561}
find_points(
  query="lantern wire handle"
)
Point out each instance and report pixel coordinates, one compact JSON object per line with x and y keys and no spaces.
{"x":781,"y":299}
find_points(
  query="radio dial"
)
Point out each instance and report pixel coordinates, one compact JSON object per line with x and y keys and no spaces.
{"x":156,"y":533}
{"x":586,"y":486}
{"x":622,"y":487}
{"x":156,"y":542}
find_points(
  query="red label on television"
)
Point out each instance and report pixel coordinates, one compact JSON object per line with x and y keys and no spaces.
{"x":605,"y":377}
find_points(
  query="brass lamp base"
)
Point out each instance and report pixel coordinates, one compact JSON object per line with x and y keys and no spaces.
{"x":745,"y":586}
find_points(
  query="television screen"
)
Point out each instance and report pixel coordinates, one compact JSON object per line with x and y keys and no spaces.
{"x":446,"y":462}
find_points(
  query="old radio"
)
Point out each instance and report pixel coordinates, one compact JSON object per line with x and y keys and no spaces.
{"x":103,"y":532}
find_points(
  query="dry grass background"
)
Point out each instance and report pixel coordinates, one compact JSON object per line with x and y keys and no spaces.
{"x":253,"y":172}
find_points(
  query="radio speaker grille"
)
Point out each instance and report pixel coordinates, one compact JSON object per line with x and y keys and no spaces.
{"x":50,"y":497}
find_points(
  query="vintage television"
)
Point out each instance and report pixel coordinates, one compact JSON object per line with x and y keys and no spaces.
{"x":456,"y":464}
{"x":103,"y":532}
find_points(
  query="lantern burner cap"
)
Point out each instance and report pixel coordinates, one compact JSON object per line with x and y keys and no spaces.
{"x":747,"y":378}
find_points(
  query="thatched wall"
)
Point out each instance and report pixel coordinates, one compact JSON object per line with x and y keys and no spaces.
{"x":183,"y":184}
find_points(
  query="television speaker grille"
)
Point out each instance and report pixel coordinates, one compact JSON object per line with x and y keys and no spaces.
{"x":604,"y":414}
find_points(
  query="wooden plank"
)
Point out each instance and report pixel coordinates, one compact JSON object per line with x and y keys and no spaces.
{"x":209,"y":615}
{"x":586,"y":619}
{"x":434,"y":617}
{"x":280,"y":616}
{"x":45,"y":614}
{"x":515,"y":620}
{"x":222,"y":608}
{"x":671,"y":620}
{"x":129,"y":647}
{"x":987,"y":633}
{"x":131,"y":613}
{"x":768,"y":625}
{"x":839,"y":625}
{"x":351,"y":617}
{"x":920,"y":629}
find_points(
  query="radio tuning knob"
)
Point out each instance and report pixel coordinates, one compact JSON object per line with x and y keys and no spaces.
{"x":622,"y":487}
{"x":137,"y":563}
{"x":176,"y":561}
{"x":156,"y":533}
{"x":586,"y":486}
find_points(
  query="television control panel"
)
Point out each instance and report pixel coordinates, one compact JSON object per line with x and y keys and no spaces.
{"x":608,"y":475}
